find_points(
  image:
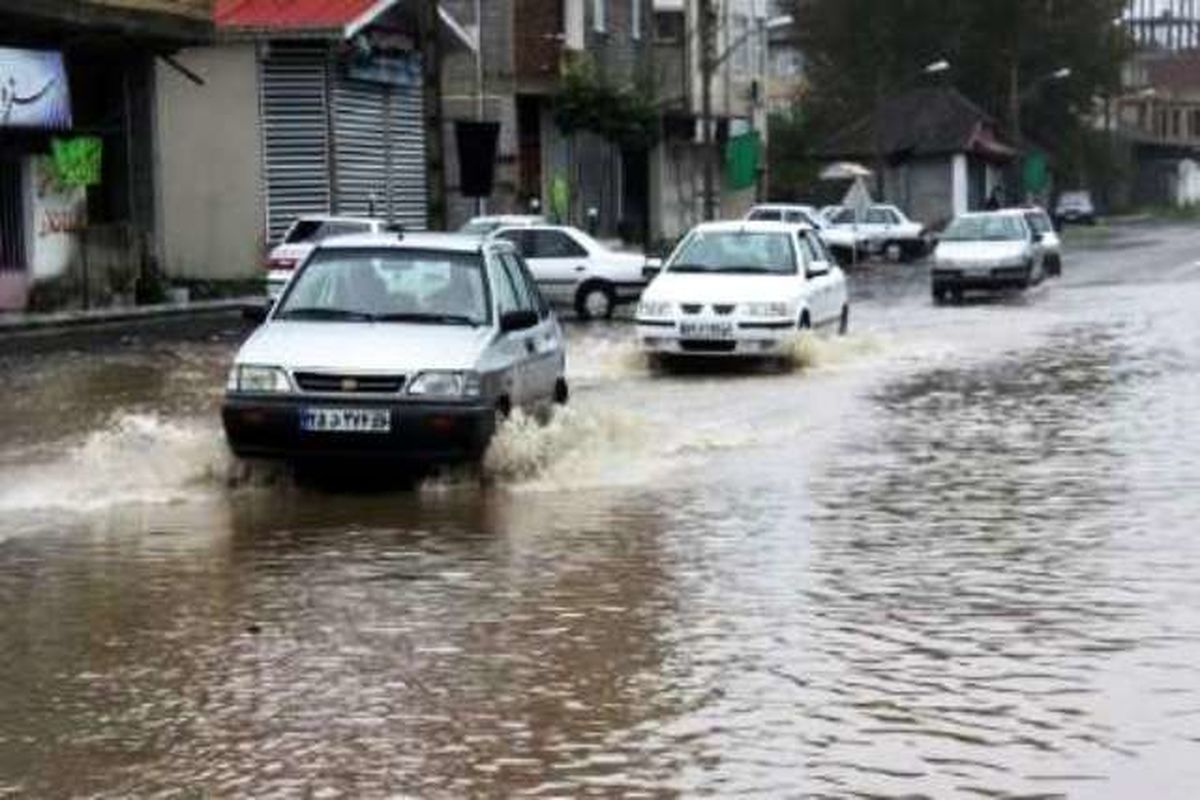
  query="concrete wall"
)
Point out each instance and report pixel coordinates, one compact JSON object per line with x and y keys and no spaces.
{"x":209,"y":155}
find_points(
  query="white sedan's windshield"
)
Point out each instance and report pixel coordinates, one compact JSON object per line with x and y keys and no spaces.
{"x":984,"y":228}
{"x":480,"y":227}
{"x":389,"y":285}
{"x":736,"y":252}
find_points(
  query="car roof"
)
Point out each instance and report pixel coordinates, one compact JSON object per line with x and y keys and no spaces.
{"x":339,"y":218}
{"x":751,"y":226}
{"x":509,"y":219}
{"x":1000,"y":212}
{"x":452,"y":242}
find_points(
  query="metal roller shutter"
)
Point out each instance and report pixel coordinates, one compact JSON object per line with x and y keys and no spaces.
{"x":295,"y":134}
{"x":407,"y":178}
{"x":379,"y":150}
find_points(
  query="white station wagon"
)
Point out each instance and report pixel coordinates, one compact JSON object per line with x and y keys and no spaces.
{"x":742,"y":289}
{"x":405,"y":347}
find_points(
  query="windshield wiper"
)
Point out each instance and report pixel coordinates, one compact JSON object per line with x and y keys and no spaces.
{"x":317,"y":313}
{"x":689,"y":268}
{"x":748,"y":270}
{"x":437,"y":319}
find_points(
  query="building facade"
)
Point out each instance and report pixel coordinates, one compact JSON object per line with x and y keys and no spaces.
{"x":579,"y":178}
{"x":308,"y":108}
{"x":83,"y":76}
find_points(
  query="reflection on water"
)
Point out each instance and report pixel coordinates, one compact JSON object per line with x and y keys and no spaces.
{"x":879,"y":577}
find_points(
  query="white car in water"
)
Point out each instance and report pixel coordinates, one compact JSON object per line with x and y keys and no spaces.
{"x":303,"y":236}
{"x":575,"y":270}
{"x":885,"y":230}
{"x":987,"y":251}
{"x":742,"y":289}
{"x":845,"y":244}
{"x":398,"y":347}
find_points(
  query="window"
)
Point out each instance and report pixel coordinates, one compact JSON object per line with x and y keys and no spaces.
{"x":526,"y":286}
{"x":669,"y":26}
{"x":553,"y":244}
{"x":844,"y":217}
{"x":766,"y":215}
{"x":506,"y":293}
{"x":635,"y":24}
{"x":879,"y":216}
{"x":512,"y":270}
{"x":810,"y":251}
{"x":599,"y":24}
{"x":520,"y":240}
{"x":429,"y":286}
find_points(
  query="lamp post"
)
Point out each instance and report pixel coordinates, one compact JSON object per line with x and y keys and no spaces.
{"x":1016,"y":99}
{"x":710,"y":62}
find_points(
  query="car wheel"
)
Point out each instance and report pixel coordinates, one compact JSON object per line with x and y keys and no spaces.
{"x":595,"y":301}
{"x":893,"y":251}
{"x":805,"y":323}
{"x":562,"y":392}
{"x":1054,"y":267}
{"x":939,"y":295}
{"x":844,"y":321}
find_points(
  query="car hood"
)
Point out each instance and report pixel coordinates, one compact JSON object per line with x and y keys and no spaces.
{"x":694,"y":288}
{"x":980,"y":251}
{"x":365,"y":346}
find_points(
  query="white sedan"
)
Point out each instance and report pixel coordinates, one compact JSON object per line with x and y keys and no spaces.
{"x":742,"y":289}
{"x":302,"y":238}
{"x":571,"y":268}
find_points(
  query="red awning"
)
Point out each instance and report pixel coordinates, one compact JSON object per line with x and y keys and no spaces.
{"x":297,"y":15}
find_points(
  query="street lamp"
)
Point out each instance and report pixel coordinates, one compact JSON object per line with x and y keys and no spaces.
{"x":710,"y":61}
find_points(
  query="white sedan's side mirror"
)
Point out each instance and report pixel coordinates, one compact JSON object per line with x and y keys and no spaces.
{"x":817,"y":268}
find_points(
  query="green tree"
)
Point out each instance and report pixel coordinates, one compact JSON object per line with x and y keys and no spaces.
{"x":1001,"y":52}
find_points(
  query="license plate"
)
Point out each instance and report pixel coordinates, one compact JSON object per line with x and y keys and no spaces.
{"x":979,"y":272}
{"x":346,"y":420}
{"x":706,"y":330}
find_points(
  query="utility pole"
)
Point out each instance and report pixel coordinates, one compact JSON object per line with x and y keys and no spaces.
{"x":431,"y":84}
{"x":707,"y":28}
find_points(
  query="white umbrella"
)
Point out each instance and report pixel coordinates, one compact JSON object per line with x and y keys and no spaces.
{"x":845,"y":170}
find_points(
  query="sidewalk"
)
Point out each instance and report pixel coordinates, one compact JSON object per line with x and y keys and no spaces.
{"x":20,"y":323}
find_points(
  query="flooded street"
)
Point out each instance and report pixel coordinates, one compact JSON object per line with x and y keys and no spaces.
{"x":953,"y":554}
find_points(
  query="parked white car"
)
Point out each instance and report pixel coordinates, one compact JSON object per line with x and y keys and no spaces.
{"x":886,"y":230}
{"x":1039,"y":221}
{"x":405,"y":348}
{"x":742,"y":289}
{"x":987,"y":250}
{"x":573,"y":269}
{"x":303,"y":236}
{"x":846,"y":244}
{"x":483,"y":226}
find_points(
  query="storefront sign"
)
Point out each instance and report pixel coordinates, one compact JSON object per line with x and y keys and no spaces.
{"x":390,"y":70}
{"x":33,"y":90}
{"x":59,"y":214}
{"x":78,"y":160}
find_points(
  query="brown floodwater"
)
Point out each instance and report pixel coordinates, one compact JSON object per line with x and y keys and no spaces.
{"x":956,"y":553}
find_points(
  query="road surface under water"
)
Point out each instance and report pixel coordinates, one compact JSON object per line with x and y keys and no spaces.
{"x":954,"y":554}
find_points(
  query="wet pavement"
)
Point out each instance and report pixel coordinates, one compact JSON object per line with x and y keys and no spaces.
{"x":953,"y":554}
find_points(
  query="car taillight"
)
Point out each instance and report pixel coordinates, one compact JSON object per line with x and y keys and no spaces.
{"x":280,"y":263}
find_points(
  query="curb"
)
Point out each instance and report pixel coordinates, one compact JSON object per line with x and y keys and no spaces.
{"x":74,"y":320}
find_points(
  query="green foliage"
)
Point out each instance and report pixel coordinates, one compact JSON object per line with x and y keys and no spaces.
{"x":625,"y":116}
{"x":859,"y":51}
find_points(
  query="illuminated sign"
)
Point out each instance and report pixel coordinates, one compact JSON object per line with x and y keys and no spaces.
{"x":33,"y":90}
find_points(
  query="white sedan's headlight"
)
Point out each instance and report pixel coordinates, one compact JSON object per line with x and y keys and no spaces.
{"x":445,"y":384}
{"x":766,"y":310}
{"x":655,"y":308}
{"x":263,"y":380}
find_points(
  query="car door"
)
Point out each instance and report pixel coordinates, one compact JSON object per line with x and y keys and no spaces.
{"x":543,"y":344}
{"x":824,"y":305}
{"x":510,"y":351}
{"x":558,"y":263}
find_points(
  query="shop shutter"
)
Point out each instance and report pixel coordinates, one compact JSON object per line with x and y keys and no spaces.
{"x":295,"y":134}
{"x":407,"y":178}
{"x":379,"y":149}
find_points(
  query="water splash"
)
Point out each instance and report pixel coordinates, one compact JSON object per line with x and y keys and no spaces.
{"x":808,"y":351}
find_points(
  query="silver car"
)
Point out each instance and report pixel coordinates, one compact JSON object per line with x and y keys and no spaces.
{"x":408,"y":347}
{"x":987,"y":251}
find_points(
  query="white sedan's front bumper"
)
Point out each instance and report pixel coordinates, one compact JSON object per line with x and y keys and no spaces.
{"x":716,"y":337}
